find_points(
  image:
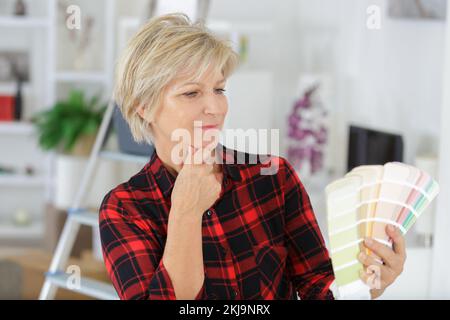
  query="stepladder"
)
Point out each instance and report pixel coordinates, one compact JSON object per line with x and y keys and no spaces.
{"x":57,"y":275}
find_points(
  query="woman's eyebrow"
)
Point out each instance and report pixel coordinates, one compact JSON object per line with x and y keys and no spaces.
{"x":198,"y":83}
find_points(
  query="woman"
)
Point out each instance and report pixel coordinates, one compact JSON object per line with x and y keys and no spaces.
{"x":196,"y":222}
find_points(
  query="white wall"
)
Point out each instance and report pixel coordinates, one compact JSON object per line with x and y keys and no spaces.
{"x":394,"y":82}
{"x":440,"y":278}
{"x":394,"y":72}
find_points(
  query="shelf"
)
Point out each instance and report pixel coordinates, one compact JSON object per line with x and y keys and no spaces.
{"x":16,"y":180}
{"x":125,"y":157}
{"x":10,"y":87}
{"x":23,"y":22}
{"x":16,"y":127}
{"x":81,"y":76}
{"x":9,"y":230}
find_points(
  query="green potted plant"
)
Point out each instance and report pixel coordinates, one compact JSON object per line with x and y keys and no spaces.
{"x":70,"y":129}
{"x":71,"y":125}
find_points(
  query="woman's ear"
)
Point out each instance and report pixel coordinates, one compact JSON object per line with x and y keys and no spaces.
{"x":140,"y":111}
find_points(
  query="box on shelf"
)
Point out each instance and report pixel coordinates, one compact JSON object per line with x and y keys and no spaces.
{"x":7,"y":110}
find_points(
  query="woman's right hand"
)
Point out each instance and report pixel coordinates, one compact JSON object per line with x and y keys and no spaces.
{"x":197,"y":186}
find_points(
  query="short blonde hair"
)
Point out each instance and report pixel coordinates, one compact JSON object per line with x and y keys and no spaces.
{"x":162,"y":49}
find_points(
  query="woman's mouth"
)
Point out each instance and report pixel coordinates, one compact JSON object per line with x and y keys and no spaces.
{"x":208,"y":127}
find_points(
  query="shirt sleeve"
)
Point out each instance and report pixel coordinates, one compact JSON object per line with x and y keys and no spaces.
{"x":308,"y":261}
{"x":133,"y":255}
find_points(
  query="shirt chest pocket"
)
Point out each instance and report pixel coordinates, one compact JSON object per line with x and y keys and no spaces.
{"x":271,"y":263}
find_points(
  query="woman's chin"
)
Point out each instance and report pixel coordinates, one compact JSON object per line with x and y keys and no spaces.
{"x":204,"y":144}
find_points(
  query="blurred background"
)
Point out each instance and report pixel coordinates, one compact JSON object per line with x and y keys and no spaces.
{"x":345,"y":82}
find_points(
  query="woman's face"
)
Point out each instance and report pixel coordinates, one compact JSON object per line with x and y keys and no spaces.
{"x":191,"y":107}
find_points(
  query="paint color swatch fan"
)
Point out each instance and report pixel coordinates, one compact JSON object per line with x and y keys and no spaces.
{"x":361,"y":205}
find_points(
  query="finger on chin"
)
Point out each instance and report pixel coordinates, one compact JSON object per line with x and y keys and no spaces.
{"x":189,"y":152}
{"x":208,"y":157}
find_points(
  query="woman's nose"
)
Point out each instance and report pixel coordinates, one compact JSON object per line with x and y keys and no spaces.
{"x":212,"y":106}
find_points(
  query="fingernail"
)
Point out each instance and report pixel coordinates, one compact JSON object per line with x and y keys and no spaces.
{"x":368,"y":241}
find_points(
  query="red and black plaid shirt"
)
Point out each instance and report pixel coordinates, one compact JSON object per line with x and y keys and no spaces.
{"x":261,"y":239}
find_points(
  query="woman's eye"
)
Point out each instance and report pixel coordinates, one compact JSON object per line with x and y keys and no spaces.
{"x":191,"y":94}
{"x":220,"y":91}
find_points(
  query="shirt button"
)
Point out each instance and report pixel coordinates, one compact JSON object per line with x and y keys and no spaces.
{"x":209,"y":213}
{"x":235,"y":293}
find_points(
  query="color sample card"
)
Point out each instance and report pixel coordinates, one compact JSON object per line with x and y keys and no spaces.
{"x":361,"y":205}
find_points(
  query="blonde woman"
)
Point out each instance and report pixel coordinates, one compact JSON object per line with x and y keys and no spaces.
{"x":212,"y":228}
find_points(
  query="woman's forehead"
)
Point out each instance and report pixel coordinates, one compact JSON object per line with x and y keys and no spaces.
{"x":210,"y":76}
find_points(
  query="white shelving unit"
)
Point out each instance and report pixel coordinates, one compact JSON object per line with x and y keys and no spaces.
{"x":101,"y":77}
{"x":44,"y":24}
{"x":26,"y":232}
{"x":71,"y":76}
{"x":12,"y":134}
{"x":20,"y":180}
{"x":14,"y":128}
{"x":23,"y":22}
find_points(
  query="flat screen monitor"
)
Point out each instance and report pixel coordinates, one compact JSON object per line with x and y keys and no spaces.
{"x":367,"y":146}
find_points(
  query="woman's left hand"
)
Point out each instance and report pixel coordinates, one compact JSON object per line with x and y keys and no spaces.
{"x":380,"y":276}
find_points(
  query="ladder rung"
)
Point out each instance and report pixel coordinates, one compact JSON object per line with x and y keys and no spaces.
{"x":85,"y":217}
{"x":120,"y":156}
{"x":89,"y":287}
